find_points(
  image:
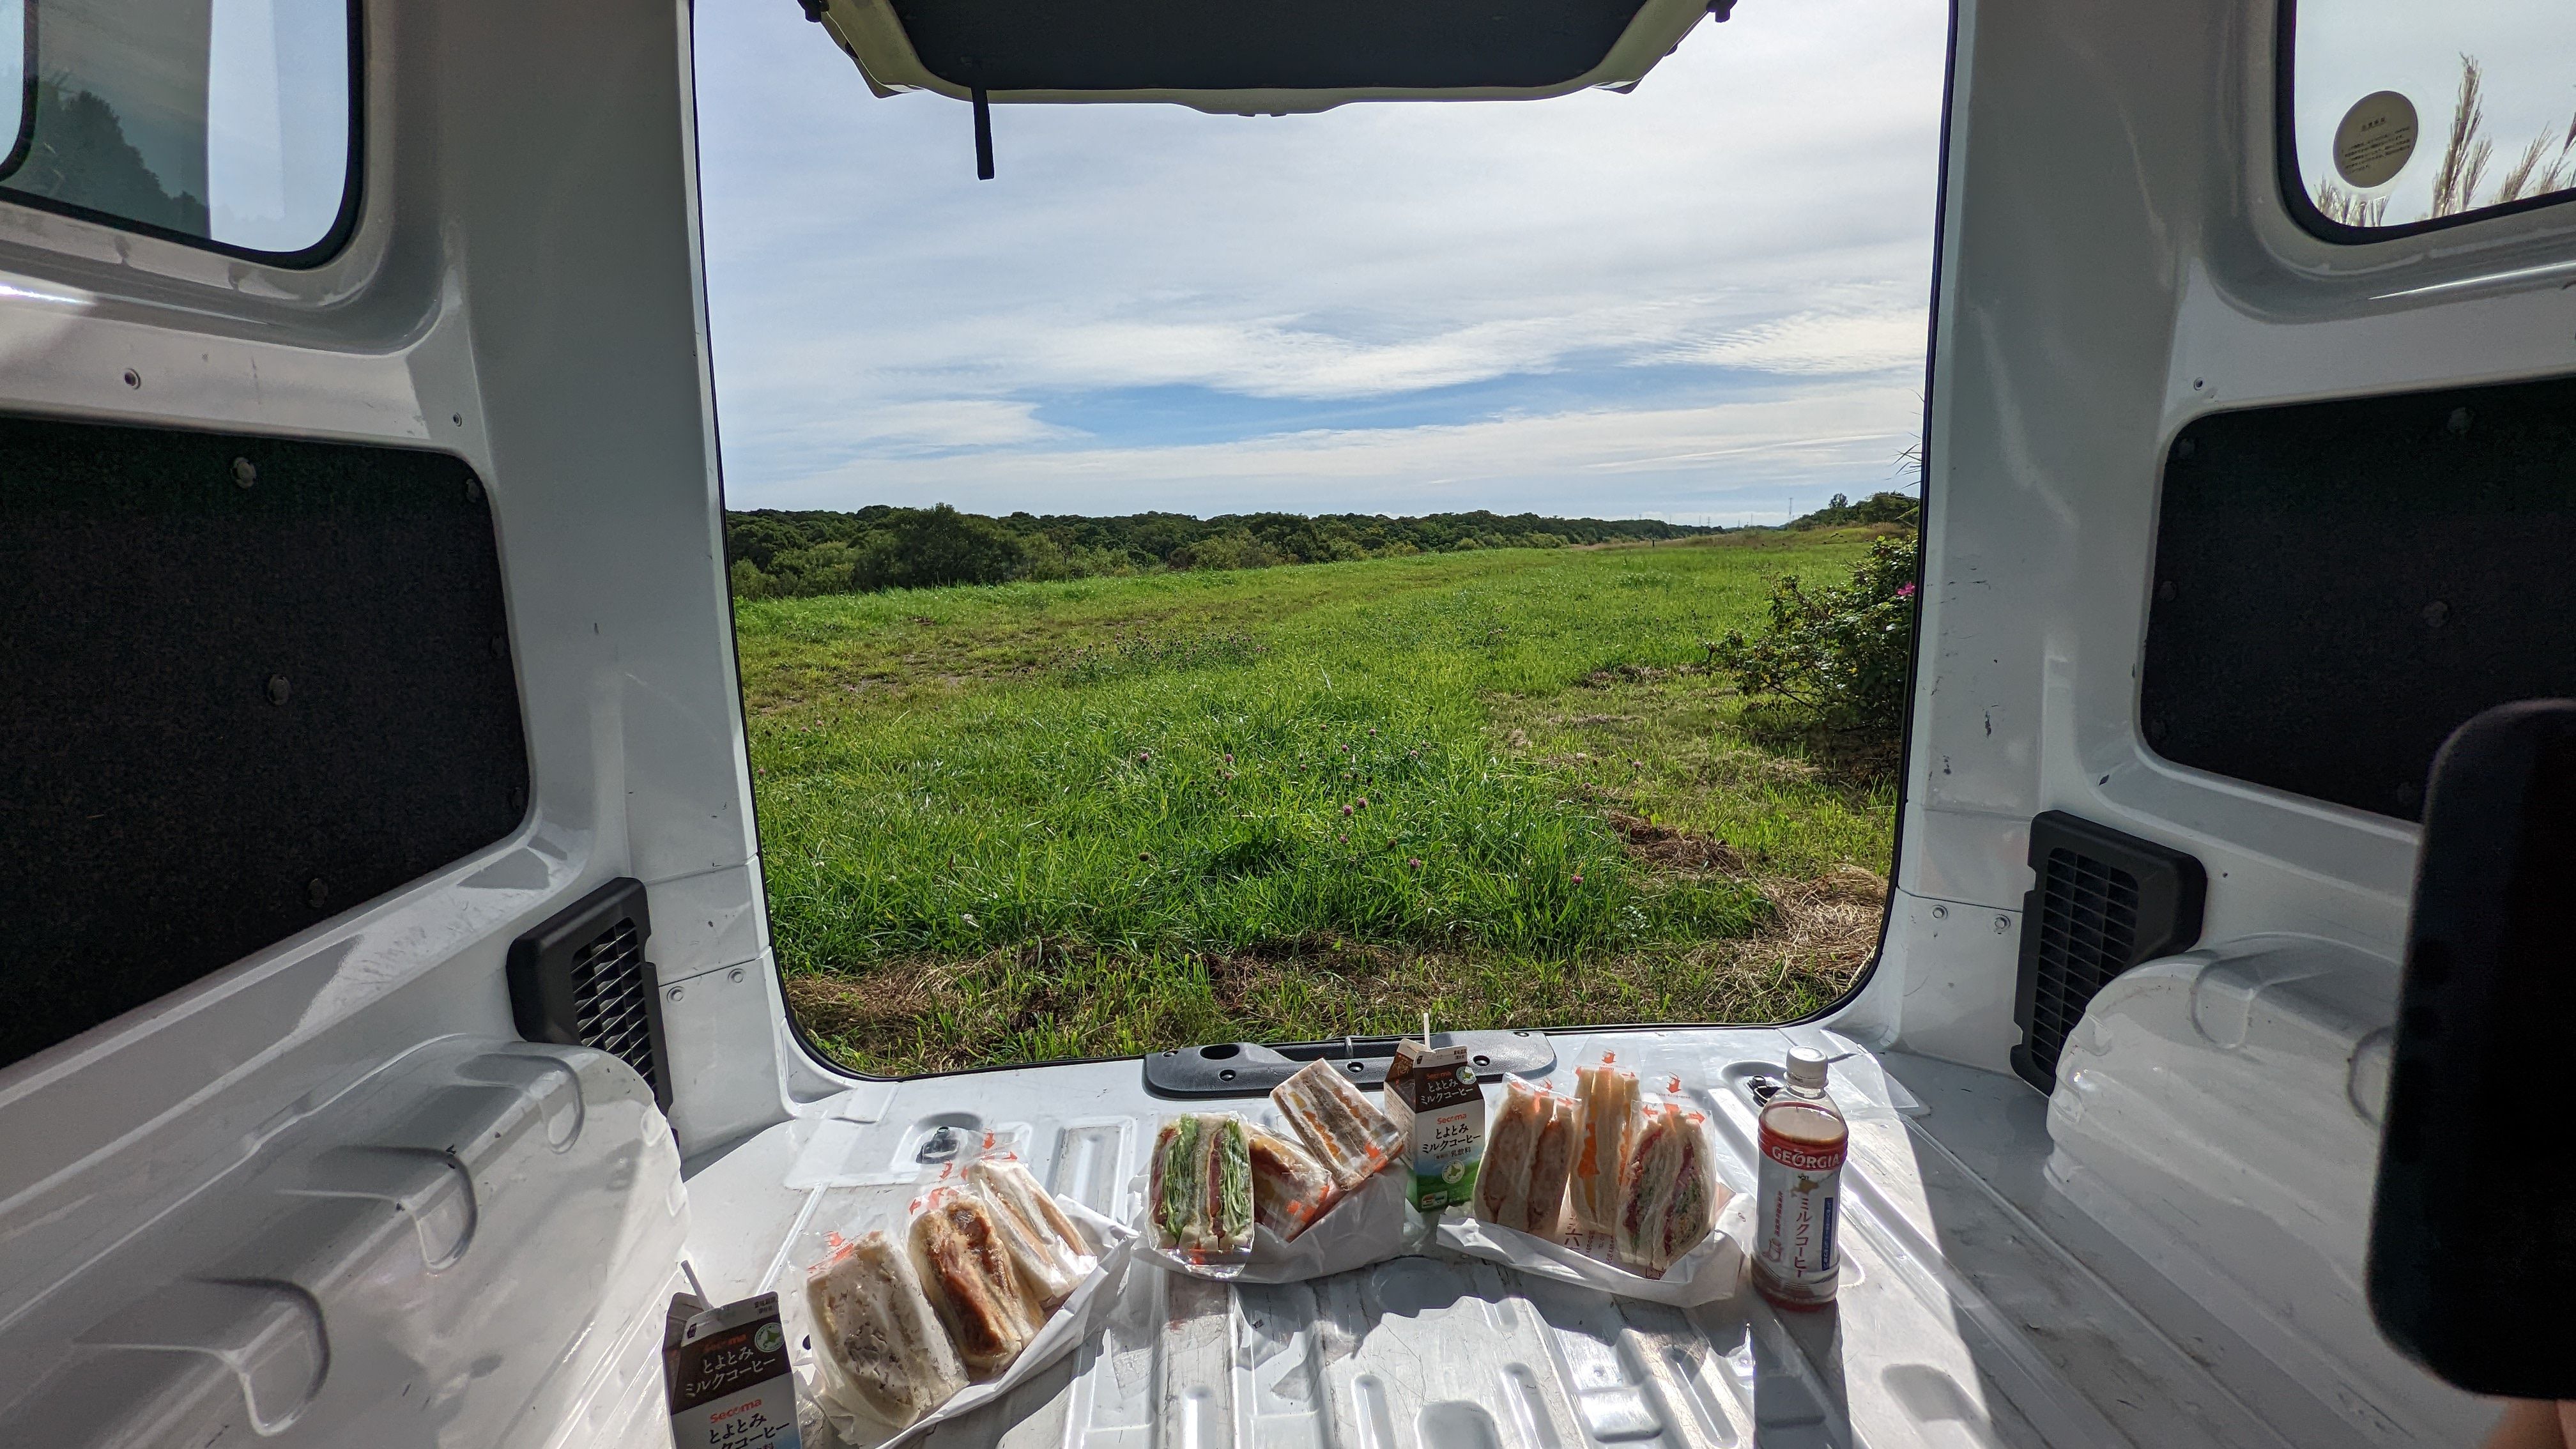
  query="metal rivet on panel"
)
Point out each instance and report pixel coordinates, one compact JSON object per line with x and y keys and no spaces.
{"x":1940,"y":913}
{"x":316,"y":892}
{"x":735,"y":976}
{"x":2002,"y":924}
{"x":278,"y":689}
{"x":245,"y":473}
{"x":2437,"y":613}
{"x":2459,"y":422}
{"x":133,"y":378}
{"x":473,"y":490}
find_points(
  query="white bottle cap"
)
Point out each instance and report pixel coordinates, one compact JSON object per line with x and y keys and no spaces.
{"x":1806,"y":1068}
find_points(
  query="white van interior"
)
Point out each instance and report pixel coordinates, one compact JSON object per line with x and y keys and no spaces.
{"x":392,"y":1026}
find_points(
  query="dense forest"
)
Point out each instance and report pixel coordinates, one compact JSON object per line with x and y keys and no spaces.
{"x":775,"y":554}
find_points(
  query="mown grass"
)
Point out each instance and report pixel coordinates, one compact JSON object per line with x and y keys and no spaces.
{"x":1115,"y":815}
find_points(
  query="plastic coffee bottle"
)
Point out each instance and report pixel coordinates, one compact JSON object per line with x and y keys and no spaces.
{"x":1797,"y":1214}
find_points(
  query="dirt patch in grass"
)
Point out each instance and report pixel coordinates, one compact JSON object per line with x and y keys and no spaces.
{"x":1672,"y":848}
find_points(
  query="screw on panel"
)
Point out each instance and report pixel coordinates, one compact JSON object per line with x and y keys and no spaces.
{"x":2459,"y":422}
{"x":315,"y":892}
{"x":735,"y":976}
{"x":2165,"y":592}
{"x":278,"y":689}
{"x":133,"y":378}
{"x":2002,"y":924}
{"x":2184,"y":448}
{"x":244,"y":473}
{"x":677,"y":992}
{"x":457,"y":418}
{"x":1940,"y":913}
{"x":473,"y":490}
{"x":2436,"y":614}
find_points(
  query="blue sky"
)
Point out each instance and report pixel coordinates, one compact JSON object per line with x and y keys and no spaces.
{"x":1706,"y":297}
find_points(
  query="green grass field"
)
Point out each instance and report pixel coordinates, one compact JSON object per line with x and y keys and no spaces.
{"x":1115,"y":815}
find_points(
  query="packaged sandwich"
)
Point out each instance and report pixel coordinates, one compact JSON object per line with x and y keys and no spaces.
{"x":1528,"y":1156}
{"x":967,"y":1272}
{"x":1668,"y":1190}
{"x":1511,"y":1142}
{"x":1605,"y":1099}
{"x":876,"y":1328}
{"x":1343,"y":1129}
{"x":1551,"y":1167}
{"x":1050,"y":1251}
{"x":1290,"y":1189}
{"x":1202,"y":1187}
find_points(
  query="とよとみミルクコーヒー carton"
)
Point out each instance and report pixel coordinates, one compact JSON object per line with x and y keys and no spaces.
{"x":1431,"y":1093}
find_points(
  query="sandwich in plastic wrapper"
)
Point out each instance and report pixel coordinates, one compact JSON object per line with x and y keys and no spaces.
{"x":1677,"y":1232}
{"x":1370,"y":1224}
{"x":853,"y":1424}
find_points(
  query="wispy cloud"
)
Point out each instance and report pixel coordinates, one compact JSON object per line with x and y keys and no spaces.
{"x":1630,"y":303}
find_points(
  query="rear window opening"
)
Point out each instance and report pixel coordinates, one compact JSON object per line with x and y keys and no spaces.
{"x":2402,"y":117}
{"x":1263,"y":580}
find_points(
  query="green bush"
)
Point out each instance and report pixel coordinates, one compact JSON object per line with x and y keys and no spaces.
{"x":1840,"y":655}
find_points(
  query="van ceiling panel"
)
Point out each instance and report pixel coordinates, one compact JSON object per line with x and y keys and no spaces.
{"x":253,"y":683}
{"x":1295,"y":57}
{"x":2339,"y":585}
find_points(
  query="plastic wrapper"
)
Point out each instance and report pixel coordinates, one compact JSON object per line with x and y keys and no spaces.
{"x":1606,"y":1101}
{"x":844,"y":1419}
{"x":1551,"y":1167}
{"x":1668,"y":1189}
{"x":1529,"y":1154}
{"x":1369,"y":1224}
{"x":1200,"y":1203}
{"x":1042,"y":1241}
{"x":967,"y":1273}
{"x":1343,"y":1129}
{"x":1290,"y":1189}
{"x":872,"y":1321}
{"x":1707,"y":1273}
{"x":1677,"y":1232}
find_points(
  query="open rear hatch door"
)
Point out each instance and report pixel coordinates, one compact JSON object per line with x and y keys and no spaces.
{"x":1247,"y":59}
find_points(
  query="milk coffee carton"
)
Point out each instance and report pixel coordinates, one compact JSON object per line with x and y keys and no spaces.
{"x":1431,"y":1094}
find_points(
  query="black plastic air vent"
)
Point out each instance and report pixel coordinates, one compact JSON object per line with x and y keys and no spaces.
{"x":2104,"y":902}
{"x":581,"y":980}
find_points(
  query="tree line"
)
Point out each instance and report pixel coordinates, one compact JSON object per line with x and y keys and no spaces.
{"x":776,"y":554}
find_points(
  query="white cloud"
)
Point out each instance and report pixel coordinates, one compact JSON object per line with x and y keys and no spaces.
{"x":1732,"y":458}
{"x":1762,"y":203}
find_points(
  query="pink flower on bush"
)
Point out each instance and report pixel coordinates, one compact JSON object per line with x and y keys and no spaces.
{"x":1905,"y":591}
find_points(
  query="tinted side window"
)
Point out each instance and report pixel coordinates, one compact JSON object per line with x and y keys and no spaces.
{"x":226,"y":122}
{"x":2406,"y":115}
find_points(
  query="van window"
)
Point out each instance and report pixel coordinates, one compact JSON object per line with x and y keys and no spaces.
{"x":221,"y":122}
{"x":2406,"y":115}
